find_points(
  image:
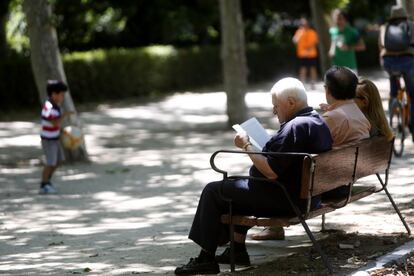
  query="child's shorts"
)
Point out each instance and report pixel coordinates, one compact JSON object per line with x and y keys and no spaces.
{"x":53,"y":152}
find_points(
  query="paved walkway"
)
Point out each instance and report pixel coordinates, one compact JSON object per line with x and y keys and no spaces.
{"x":130,"y":210}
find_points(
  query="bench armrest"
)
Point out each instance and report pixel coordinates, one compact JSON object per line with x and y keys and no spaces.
{"x":273,"y":154}
{"x":264,"y":179}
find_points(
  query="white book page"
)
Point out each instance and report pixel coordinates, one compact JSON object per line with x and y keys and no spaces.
{"x":258,"y":135}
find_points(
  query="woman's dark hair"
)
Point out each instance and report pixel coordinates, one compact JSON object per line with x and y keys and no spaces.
{"x":55,"y":86}
{"x":341,"y":82}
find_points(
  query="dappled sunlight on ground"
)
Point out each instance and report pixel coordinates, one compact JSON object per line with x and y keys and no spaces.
{"x":192,"y":110}
{"x":130,"y":210}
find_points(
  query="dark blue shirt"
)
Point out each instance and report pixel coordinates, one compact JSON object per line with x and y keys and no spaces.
{"x":306,"y":132}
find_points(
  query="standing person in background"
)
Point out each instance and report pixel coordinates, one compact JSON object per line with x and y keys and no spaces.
{"x":306,"y":40}
{"x":345,"y":40}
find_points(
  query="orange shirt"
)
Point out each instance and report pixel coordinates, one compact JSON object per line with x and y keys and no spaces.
{"x":307,"y":40}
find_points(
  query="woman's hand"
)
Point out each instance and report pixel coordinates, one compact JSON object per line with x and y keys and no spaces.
{"x":324,"y":106}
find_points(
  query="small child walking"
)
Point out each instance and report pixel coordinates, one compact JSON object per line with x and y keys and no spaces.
{"x":50,"y":133}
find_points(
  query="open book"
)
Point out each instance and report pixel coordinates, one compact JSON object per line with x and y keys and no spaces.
{"x":256,"y":132}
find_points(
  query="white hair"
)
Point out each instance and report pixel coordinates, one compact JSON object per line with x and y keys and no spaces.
{"x":290,"y":87}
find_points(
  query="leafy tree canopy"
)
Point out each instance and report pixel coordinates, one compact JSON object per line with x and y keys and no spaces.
{"x":90,"y":24}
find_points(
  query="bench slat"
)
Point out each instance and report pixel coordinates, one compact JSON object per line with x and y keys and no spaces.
{"x":328,"y":175}
{"x":358,"y":192}
{"x":374,"y":156}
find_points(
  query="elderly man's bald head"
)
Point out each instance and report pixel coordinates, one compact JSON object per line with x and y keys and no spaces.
{"x":290,"y":87}
{"x":288,"y":97}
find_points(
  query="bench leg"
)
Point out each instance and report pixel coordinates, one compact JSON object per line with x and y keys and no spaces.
{"x":231,"y":229}
{"x":308,"y":231}
{"x":316,"y":245}
{"x":323,"y":223}
{"x":232,"y":258}
{"x":310,"y":234}
{"x":394,"y":205}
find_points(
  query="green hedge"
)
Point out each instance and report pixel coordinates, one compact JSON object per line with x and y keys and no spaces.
{"x":120,"y":73}
{"x":17,"y":86}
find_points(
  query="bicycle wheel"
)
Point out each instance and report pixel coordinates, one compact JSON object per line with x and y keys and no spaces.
{"x":397,"y":126}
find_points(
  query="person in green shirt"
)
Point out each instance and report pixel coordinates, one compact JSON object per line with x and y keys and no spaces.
{"x":345,"y":40}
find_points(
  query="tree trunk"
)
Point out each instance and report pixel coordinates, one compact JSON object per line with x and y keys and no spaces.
{"x":233,"y":55}
{"x":47,"y":63}
{"x":322,"y":28}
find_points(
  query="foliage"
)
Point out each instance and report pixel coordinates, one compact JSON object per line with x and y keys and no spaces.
{"x":330,"y":5}
{"x":119,"y":73}
{"x":130,"y":23}
{"x":16,"y":27}
{"x":4,"y":47}
{"x":17,"y":86}
{"x":88,"y":24}
{"x":123,"y":69}
{"x":378,"y":10}
{"x":101,"y":75}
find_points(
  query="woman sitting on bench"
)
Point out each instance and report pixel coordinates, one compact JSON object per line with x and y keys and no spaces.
{"x":369,"y":101}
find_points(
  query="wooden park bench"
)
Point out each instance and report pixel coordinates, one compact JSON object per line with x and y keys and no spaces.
{"x":322,"y":173}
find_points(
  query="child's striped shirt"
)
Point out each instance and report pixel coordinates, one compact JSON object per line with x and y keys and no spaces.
{"x":50,"y":112}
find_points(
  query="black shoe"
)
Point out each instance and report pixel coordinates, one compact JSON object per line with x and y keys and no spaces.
{"x":240,"y":257}
{"x":197,"y":266}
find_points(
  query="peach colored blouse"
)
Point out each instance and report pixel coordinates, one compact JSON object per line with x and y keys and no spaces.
{"x":346,"y":122}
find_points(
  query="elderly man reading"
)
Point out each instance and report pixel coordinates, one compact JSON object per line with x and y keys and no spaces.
{"x":301,"y":130}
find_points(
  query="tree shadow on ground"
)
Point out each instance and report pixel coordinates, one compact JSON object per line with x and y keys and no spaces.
{"x":130,"y":210}
{"x":307,"y":261}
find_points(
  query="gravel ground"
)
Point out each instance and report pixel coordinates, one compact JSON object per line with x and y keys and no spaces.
{"x":402,"y":268}
{"x":365,"y":248}
{"x":130,"y":210}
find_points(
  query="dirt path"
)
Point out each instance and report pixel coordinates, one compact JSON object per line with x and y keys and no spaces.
{"x":130,"y":210}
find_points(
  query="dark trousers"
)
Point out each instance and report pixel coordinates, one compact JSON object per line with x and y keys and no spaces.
{"x":256,"y":199}
{"x":403,"y":65}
